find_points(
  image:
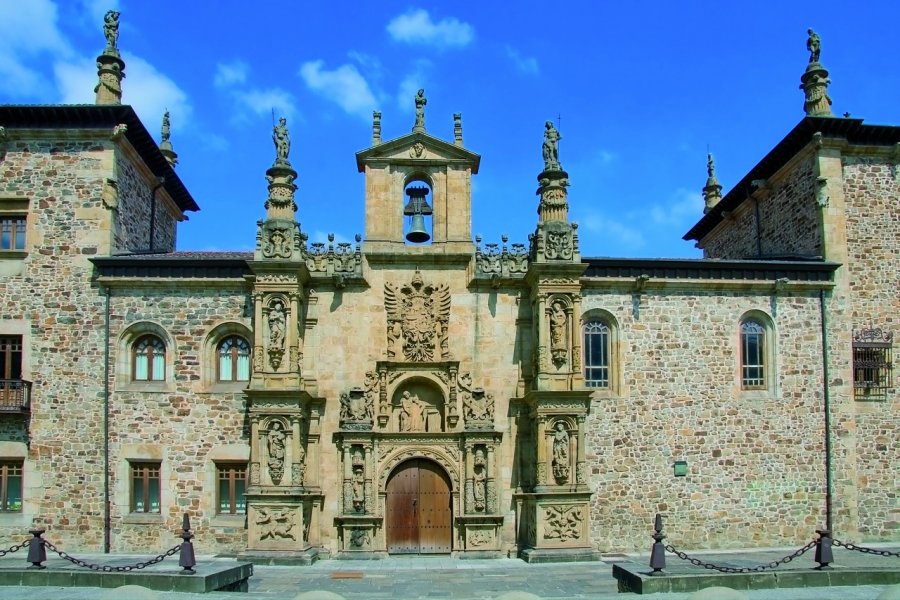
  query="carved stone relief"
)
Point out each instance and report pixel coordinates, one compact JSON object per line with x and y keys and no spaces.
{"x":480,"y":537}
{"x":277,"y":242}
{"x":276,"y":523}
{"x":563,"y":522}
{"x":360,"y":539}
{"x":418,"y":315}
{"x":560,"y":245}
{"x":357,"y":409}
{"x":478,"y":407}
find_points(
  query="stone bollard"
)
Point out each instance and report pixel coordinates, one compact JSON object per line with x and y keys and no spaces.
{"x":824,"y":555}
{"x":37,"y":553}
{"x":186,"y":559}
{"x":658,"y":551}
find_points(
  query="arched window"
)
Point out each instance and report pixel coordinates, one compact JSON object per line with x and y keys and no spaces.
{"x":597,"y":354}
{"x":233,"y":359}
{"x":753,"y":355}
{"x":149,"y":359}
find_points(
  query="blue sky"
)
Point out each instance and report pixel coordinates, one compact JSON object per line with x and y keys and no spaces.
{"x":640,"y":90}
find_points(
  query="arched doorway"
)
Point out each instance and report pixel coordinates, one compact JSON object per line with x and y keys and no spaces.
{"x":418,"y":509}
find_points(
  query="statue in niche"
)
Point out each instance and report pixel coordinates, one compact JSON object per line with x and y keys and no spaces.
{"x":412,"y":413}
{"x":282,"y":140}
{"x":814,"y":45}
{"x":111,"y":29}
{"x":275,"y":446}
{"x":479,"y":479}
{"x":551,"y":146}
{"x":558,"y":320}
{"x":420,"y":111}
{"x":422,"y":312}
{"x":356,"y":484}
{"x":276,"y":325}
{"x":275,"y":523}
{"x":561,"y":453}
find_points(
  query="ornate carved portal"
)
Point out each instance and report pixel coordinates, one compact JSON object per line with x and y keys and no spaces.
{"x":417,"y":423}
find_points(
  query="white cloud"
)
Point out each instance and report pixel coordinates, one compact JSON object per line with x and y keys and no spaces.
{"x":412,"y":83}
{"x":622,"y":234}
{"x":150,"y":92}
{"x":524,"y":64}
{"x":28,"y":31}
{"x":416,"y":27}
{"x":343,"y":85}
{"x":262,"y":102}
{"x":229,"y":74}
{"x":685,"y":206}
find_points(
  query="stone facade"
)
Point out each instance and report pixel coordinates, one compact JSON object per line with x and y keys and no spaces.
{"x":458,"y":363}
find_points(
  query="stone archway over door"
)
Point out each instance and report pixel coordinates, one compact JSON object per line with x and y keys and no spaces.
{"x":418,"y":509}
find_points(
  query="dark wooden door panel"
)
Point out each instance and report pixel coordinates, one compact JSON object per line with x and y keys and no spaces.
{"x":419,"y":511}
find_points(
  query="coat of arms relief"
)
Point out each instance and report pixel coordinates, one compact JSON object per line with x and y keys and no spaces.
{"x":417,"y":318}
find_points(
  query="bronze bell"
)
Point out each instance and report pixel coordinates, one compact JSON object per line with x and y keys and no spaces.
{"x":417,"y":233}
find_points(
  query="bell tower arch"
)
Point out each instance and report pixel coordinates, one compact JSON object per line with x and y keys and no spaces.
{"x":444,"y":168}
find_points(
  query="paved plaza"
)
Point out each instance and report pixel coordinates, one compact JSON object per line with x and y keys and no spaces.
{"x":448,"y":578}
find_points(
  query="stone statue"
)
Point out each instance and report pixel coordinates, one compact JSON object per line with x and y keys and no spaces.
{"x":282,"y":140}
{"x":479,"y":479}
{"x":111,"y":29}
{"x":166,"y":128}
{"x":276,"y":326}
{"x":710,"y":165}
{"x":551,"y":146}
{"x":561,"y":453}
{"x":356,"y":484}
{"x":558,"y":321}
{"x":420,"y":111}
{"x":412,"y":413}
{"x":814,"y":45}
{"x":276,"y":451}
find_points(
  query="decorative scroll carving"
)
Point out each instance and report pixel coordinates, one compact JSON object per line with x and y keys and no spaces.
{"x":275,"y":444}
{"x":559,"y":245}
{"x":277,"y":242}
{"x":875,"y":335}
{"x":563,"y":522}
{"x":276,"y":523}
{"x":478,"y":407}
{"x":418,"y":315}
{"x":343,"y":259}
{"x":357,"y":409}
{"x":495,"y":261}
{"x":560,"y":453}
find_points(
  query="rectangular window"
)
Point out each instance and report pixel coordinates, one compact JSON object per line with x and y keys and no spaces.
{"x":145,"y":493}
{"x":596,"y":354}
{"x":872,"y":368}
{"x":12,"y":232}
{"x":231,"y":489}
{"x":12,"y":389}
{"x":753,"y":355}
{"x":10,"y":486}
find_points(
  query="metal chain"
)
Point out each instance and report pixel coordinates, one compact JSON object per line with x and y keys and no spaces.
{"x":14,"y":548}
{"x":781,"y":561}
{"x":864,"y":550}
{"x":108,"y":568}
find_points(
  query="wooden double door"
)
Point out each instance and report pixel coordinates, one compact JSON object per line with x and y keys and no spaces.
{"x":419,"y":509}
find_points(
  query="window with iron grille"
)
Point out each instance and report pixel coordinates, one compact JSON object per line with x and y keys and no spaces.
{"x":145,"y":490}
{"x":234,"y":359}
{"x":11,"y":389}
{"x":596,"y":354}
{"x":872,"y":376}
{"x":12,"y":232}
{"x":231,"y":488}
{"x":10,"y":486}
{"x":753,"y":355}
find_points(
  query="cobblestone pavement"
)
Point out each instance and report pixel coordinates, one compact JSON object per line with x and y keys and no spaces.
{"x":442,"y":578}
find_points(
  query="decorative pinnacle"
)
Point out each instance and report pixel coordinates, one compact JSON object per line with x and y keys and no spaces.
{"x":110,"y":66}
{"x":712,"y":191}
{"x":457,"y":129}
{"x":814,"y":81}
{"x":165,"y":146}
{"x":419,"y":126}
{"x":282,"y":140}
{"x":376,"y":127}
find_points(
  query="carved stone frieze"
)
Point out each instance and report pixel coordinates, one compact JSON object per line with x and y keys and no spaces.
{"x":276,"y":523}
{"x":418,"y":315}
{"x":563,"y":522}
{"x":276,"y":279}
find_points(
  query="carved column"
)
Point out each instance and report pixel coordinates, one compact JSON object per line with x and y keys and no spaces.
{"x":347,"y":499}
{"x":580,"y":475}
{"x":542,"y":459}
{"x":491,"y":482}
{"x":469,"y":479}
